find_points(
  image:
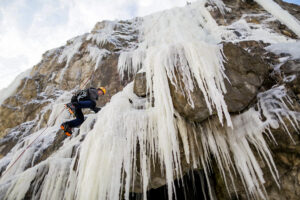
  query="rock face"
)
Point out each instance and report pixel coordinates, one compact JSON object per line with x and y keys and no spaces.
{"x":287,"y":160}
{"x":140,"y":85}
{"x":245,"y":72}
{"x":21,"y":107}
{"x":93,"y":64}
{"x":291,"y":70}
{"x":200,"y":111}
{"x":286,"y":157}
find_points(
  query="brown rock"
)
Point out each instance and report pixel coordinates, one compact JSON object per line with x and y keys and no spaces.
{"x":99,"y":26}
{"x":286,"y":154}
{"x":246,"y":74}
{"x":107,"y":75}
{"x":287,"y":33}
{"x":200,"y":111}
{"x":140,"y":84}
{"x":252,"y":20}
{"x":254,"y":47}
{"x":291,"y":69}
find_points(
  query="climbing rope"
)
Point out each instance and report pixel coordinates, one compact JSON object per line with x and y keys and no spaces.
{"x":5,"y":172}
{"x":30,"y":145}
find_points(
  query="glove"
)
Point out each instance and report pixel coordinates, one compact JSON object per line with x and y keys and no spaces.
{"x":96,"y":109}
{"x":74,"y":99}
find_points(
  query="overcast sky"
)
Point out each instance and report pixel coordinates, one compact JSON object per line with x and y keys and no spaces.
{"x":28,"y":28}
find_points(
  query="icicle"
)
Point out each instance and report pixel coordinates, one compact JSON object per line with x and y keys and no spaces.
{"x":68,"y":53}
{"x":249,"y":128}
{"x":282,"y":15}
{"x":96,"y":54}
{"x":220,"y":4}
{"x":191,"y":35}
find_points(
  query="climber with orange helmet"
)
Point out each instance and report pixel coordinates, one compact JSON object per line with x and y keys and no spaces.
{"x":82,"y":99}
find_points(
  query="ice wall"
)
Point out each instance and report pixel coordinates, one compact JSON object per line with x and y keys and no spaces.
{"x":125,"y":143}
{"x":130,"y":139}
{"x":187,"y":38}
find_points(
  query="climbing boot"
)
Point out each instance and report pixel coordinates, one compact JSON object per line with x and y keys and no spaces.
{"x":71,"y":108}
{"x":66,"y":128}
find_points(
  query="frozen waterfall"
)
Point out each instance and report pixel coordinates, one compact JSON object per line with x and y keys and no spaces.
{"x":117,"y":149}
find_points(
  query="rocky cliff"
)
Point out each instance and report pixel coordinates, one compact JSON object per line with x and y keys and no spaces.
{"x":211,"y":88}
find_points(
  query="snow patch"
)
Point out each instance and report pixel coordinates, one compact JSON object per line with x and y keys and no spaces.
{"x":11,"y":89}
{"x":249,"y":31}
{"x":290,"y":48}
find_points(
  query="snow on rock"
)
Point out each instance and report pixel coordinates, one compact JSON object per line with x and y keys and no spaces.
{"x":249,"y":128}
{"x":96,"y":54}
{"x":220,"y":4}
{"x":11,"y":89}
{"x":179,"y":45}
{"x":69,"y":51}
{"x":104,"y":35}
{"x":52,"y":173}
{"x":248,"y":31}
{"x":45,"y":137}
{"x":113,"y":32}
{"x":290,"y":48}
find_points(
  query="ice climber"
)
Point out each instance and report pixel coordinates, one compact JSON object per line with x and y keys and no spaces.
{"x":82,"y":99}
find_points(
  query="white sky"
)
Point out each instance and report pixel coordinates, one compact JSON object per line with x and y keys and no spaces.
{"x":28,"y":28}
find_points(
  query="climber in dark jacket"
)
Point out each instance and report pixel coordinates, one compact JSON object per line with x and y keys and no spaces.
{"x":82,"y":99}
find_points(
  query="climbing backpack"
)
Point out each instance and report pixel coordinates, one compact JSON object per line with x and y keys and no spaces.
{"x":82,"y":95}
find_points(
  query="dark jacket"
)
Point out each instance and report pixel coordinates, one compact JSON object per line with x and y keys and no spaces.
{"x":87,"y":94}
